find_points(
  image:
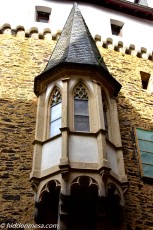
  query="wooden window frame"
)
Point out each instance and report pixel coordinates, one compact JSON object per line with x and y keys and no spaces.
{"x":141,"y":151}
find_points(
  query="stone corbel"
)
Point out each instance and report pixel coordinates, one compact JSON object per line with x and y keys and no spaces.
{"x":64,"y":168}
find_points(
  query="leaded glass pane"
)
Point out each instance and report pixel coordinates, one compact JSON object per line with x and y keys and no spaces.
{"x":54,"y":129}
{"x":80,"y":92}
{"x":56,"y":112}
{"x":81,"y":123}
{"x":81,"y":107}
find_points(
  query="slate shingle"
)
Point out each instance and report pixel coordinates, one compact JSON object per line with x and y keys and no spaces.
{"x":76,"y":49}
{"x":75,"y":44}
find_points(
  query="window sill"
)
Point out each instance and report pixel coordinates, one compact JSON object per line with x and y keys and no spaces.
{"x":47,"y":140}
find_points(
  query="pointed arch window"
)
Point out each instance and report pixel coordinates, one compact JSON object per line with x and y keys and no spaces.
{"x":81,"y":113}
{"x":105,"y":111}
{"x":55,"y":112}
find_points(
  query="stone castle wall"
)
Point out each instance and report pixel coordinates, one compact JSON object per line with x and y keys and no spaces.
{"x":21,"y":60}
{"x":135,"y":108}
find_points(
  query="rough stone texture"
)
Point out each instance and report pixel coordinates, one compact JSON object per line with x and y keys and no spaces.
{"x":135,"y":107}
{"x":21,"y":59}
{"x":75,"y":44}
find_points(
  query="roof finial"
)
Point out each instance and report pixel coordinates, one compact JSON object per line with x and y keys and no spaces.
{"x":75,"y":5}
{"x":75,"y":44}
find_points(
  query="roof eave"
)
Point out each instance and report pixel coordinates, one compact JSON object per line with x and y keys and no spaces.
{"x":123,"y":6}
{"x":42,"y":80}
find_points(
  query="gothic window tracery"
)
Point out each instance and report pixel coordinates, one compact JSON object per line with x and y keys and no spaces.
{"x":81,"y":113}
{"x":55,"y":112}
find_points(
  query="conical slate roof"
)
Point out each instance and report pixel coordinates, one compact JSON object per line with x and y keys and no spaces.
{"x":75,"y":49}
{"x":75,"y":44}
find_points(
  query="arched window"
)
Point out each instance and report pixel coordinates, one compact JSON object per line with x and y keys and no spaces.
{"x":81,"y":113}
{"x":105,"y":111}
{"x":55,"y":112}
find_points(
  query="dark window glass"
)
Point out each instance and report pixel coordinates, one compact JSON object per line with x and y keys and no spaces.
{"x":42,"y":17}
{"x":115,"y":29}
{"x":145,"y":79}
{"x":81,"y":123}
{"x":81,"y":118}
{"x":80,"y":107}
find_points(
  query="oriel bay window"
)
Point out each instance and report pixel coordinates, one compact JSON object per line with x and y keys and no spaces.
{"x":55,"y":112}
{"x":81,"y":112}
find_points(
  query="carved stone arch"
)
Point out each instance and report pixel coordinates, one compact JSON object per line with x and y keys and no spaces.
{"x":46,"y":211}
{"x":113,"y":190}
{"x":50,"y":91}
{"x":49,"y":187}
{"x":80,"y":91}
{"x":48,"y":98}
{"x":85,"y":182}
{"x":83,"y":203}
{"x":85,"y":84}
{"x":114,"y":205}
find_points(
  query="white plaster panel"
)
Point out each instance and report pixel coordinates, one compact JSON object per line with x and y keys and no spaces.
{"x":51,"y":153}
{"x":112,"y":158}
{"x":83,"y":149}
{"x":24,"y":14}
{"x":134,"y":28}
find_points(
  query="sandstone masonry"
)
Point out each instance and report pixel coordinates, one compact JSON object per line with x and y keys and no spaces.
{"x":21,"y":59}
